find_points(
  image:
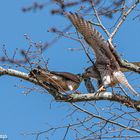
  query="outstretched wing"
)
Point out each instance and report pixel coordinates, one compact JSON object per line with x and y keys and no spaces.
{"x":94,"y":39}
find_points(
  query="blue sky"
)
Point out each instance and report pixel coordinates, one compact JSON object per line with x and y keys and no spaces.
{"x":25,"y":114}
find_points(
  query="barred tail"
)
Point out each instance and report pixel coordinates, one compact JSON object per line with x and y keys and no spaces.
{"x":122,"y":79}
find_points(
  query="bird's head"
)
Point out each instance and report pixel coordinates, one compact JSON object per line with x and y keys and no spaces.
{"x":91,"y":72}
{"x":36,"y":71}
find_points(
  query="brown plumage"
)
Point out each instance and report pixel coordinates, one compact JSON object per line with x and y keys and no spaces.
{"x":106,"y":64}
{"x":64,"y":81}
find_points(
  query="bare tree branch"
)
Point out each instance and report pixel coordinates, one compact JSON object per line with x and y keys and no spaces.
{"x":106,"y":120}
{"x":98,"y":19}
{"x":74,"y":97}
{"x":123,"y":18}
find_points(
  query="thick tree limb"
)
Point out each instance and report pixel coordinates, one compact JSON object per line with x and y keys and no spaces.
{"x":74,"y":97}
{"x":105,"y":96}
{"x":134,"y":66}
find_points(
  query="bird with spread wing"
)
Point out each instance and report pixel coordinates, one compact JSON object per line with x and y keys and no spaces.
{"x":106,"y":66}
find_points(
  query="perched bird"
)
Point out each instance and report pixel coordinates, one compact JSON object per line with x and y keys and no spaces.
{"x":92,"y":71}
{"x":106,"y":65}
{"x":64,"y":81}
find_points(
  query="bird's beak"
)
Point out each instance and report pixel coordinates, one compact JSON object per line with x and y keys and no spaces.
{"x":86,"y":75}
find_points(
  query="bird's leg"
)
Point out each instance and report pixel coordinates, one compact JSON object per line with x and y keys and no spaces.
{"x":101,"y":89}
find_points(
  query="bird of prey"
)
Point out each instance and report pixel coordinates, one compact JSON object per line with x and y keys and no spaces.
{"x":96,"y":75}
{"x":63,"y":81}
{"x":106,"y":66}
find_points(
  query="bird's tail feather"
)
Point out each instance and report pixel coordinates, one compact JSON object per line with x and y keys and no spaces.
{"x":122,"y":79}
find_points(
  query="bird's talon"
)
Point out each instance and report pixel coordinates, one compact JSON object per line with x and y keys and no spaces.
{"x":101,"y":89}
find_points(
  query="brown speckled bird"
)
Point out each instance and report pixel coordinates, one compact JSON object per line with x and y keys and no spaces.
{"x":64,"y":81}
{"x":106,"y":66}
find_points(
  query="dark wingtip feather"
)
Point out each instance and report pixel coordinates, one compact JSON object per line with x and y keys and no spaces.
{"x":68,"y":14}
{"x":33,"y":72}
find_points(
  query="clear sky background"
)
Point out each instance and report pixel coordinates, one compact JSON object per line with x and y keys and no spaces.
{"x":36,"y":112}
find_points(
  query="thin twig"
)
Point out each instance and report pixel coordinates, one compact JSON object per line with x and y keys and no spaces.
{"x":123,"y":18}
{"x":98,"y":19}
{"x":66,"y":132}
{"x":108,"y":121}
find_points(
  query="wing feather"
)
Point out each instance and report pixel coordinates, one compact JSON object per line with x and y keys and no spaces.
{"x":94,"y":39}
{"x":67,"y":75}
